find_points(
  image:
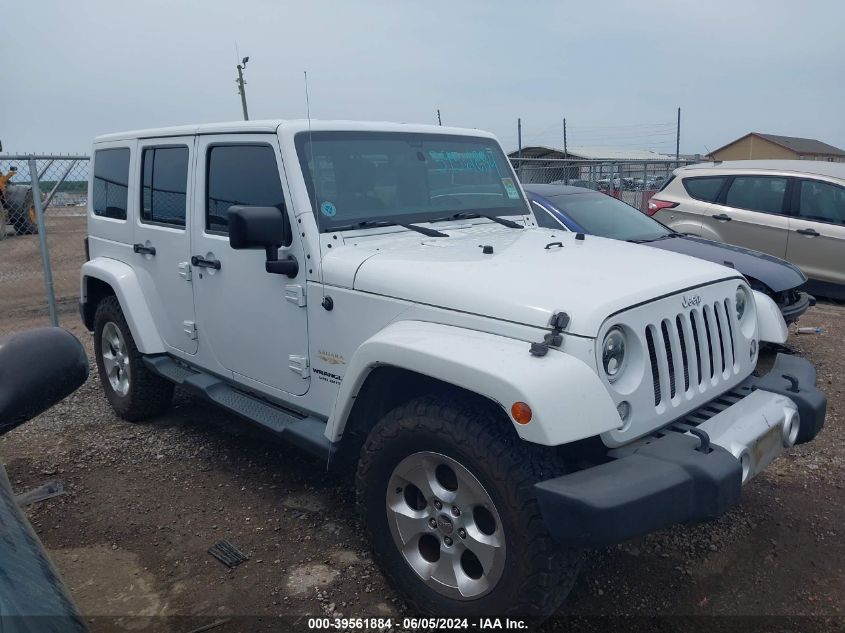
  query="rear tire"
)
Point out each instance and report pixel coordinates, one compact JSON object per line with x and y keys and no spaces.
{"x":134,"y":392}
{"x":21,"y":208}
{"x":26,"y":222}
{"x":468,"y":460}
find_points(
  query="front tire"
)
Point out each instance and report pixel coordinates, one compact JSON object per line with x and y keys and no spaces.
{"x":446,"y":491}
{"x":133,"y":391}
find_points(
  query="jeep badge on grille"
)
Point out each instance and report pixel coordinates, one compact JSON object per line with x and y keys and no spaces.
{"x":692,"y":300}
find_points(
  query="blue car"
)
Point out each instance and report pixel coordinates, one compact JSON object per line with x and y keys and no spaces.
{"x":591,"y":212}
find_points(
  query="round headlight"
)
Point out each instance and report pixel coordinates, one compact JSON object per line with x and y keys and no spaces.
{"x":613,"y":353}
{"x":740,"y":302}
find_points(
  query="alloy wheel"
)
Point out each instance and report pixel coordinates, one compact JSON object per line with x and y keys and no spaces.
{"x":445,"y":525}
{"x":115,"y":358}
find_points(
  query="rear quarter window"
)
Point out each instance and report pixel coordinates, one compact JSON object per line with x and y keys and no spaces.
{"x":705,"y":188}
{"x":111,"y":183}
{"x":666,"y":183}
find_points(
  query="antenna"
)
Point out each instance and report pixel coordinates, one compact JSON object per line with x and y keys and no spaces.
{"x":307,"y":101}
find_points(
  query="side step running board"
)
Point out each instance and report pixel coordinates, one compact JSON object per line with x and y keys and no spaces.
{"x":306,"y":432}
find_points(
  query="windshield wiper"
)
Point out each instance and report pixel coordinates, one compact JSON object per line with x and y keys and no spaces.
{"x":425,"y":230}
{"x":468,"y":215}
{"x":364,"y":224}
{"x":367,"y":224}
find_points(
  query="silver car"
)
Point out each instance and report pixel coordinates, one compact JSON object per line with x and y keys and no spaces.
{"x":792,"y":209}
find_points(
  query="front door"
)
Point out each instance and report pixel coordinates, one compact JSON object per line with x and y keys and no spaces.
{"x":817,"y":231}
{"x":246,"y":324}
{"x":162,"y":238}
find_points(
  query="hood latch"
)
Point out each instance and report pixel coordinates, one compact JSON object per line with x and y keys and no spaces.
{"x":558,"y":322}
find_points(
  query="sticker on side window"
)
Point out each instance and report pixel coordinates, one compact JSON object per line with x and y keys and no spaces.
{"x":513,"y":192}
{"x":328,"y":209}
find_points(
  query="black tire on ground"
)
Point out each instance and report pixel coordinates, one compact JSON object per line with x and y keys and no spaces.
{"x":148,"y":395}
{"x":538,"y":573}
{"x":21,"y":208}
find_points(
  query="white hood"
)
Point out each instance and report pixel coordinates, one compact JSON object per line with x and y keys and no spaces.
{"x":526,"y":279}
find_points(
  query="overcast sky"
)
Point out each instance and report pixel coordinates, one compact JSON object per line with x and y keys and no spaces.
{"x":616,"y":70}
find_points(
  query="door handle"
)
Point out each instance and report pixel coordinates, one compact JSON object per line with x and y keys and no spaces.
{"x":723,"y":216}
{"x":144,"y":250}
{"x":202,"y":262}
{"x":811,"y":232}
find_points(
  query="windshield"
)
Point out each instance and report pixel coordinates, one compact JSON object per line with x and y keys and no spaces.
{"x":402,"y":177}
{"x":606,"y":216}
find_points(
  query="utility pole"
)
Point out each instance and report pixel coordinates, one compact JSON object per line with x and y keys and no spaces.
{"x":565,"y":152}
{"x":241,"y":83}
{"x":678,"y":137}
{"x":565,"y":155}
{"x":439,"y":122}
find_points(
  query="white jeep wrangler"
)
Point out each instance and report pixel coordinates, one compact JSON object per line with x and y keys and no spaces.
{"x":381,"y":293}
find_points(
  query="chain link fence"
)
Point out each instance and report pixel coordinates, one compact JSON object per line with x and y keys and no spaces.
{"x":44,"y":198}
{"x":633,"y":182}
{"x":43,"y":203}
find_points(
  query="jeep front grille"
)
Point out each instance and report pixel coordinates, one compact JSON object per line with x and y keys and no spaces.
{"x":696,"y":349}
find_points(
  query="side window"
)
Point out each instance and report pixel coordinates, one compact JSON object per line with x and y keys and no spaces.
{"x":111,"y":182}
{"x":240,"y":174}
{"x":705,"y":188}
{"x":822,"y":201}
{"x":544,"y":218}
{"x":164,"y":182}
{"x":757,"y":193}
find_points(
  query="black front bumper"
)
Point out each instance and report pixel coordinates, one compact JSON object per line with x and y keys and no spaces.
{"x":669,"y":480}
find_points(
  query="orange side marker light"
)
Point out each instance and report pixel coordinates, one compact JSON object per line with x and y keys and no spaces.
{"x":521,"y":412}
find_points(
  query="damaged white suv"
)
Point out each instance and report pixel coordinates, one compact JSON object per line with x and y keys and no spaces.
{"x":380,"y":293}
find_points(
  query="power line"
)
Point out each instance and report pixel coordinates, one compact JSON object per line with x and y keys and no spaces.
{"x":624,"y":132}
{"x":630,"y":125}
{"x":625,"y":136}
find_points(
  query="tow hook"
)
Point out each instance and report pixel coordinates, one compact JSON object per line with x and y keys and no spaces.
{"x":703,"y":437}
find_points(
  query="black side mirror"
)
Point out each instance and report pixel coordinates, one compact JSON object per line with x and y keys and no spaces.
{"x":262,"y":227}
{"x":38,"y":368}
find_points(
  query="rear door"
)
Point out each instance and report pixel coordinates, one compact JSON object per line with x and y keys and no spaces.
{"x":251,"y":323}
{"x":751,"y":211}
{"x":817,"y":230}
{"x":162,"y":237}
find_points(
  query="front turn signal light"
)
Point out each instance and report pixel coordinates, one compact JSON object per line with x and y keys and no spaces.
{"x":521,"y":412}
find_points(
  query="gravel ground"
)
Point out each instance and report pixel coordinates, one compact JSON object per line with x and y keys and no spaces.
{"x":144,"y":502}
